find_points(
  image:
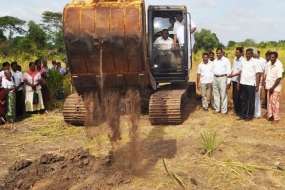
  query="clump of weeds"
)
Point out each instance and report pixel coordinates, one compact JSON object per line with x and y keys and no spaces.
{"x":209,"y":143}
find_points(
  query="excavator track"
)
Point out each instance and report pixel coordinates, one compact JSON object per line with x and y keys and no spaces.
{"x":74,"y":111}
{"x":165,"y":105}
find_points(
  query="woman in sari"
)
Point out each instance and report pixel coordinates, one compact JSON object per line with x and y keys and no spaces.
{"x":32,"y":79}
{"x":9,"y":85}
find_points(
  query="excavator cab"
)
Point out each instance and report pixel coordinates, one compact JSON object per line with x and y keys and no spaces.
{"x":169,"y":62}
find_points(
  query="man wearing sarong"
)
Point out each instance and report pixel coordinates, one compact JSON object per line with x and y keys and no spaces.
{"x":273,"y":86}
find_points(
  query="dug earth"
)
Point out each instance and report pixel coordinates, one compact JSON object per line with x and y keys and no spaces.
{"x":77,"y":169}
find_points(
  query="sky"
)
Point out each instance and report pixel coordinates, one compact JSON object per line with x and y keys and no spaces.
{"x":260,"y":20}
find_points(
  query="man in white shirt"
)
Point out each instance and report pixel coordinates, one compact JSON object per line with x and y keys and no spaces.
{"x":164,"y":42}
{"x":204,"y":79}
{"x":18,"y":80}
{"x":249,"y":84}
{"x":212,"y":58}
{"x":179,"y":33}
{"x":273,"y":86}
{"x":267,"y":58}
{"x":221,"y":83}
{"x":191,"y":28}
{"x":172,"y":20}
{"x":262,"y":62}
{"x":236,"y":70}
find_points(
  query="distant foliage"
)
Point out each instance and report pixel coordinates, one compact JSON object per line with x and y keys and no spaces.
{"x":261,"y":45}
{"x":12,"y":24}
{"x":248,"y":43}
{"x":231,"y":44}
{"x":44,"y":40}
{"x":52,"y":25}
{"x":37,"y":36}
{"x":205,"y":40}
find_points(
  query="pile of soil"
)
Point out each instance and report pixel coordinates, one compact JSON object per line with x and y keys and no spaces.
{"x":77,"y":169}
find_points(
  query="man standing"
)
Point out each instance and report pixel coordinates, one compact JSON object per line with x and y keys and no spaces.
{"x":221,"y":83}
{"x":249,"y":84}
{"x":262,"y":62}
{"x":267,"y":58}
{"x":236,"y":70}
{"x":191,"y":28}
{"x":212,"y":56}
{"x":18,"y":80}
{"x":204,"y":79}
{"x":53,"y":62}
{"x":172,"y":20}
{"x":179,"y":32}
{"x":273,"y":86}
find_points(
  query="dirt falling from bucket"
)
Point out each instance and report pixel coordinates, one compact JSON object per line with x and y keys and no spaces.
{"x":134,"y":108}
{"x":113,"y":113}
{"x":114,"y":107}
{"x":114,"y":104}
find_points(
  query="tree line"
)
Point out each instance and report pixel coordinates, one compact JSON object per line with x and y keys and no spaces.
{"x":21,"y":38}
{"x":208,"y":41}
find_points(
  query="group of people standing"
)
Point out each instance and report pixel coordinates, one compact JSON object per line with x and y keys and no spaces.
{"x":247,"y":76}
{"x":27,"y":92}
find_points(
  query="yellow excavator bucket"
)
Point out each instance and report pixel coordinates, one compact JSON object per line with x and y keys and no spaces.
{"x":105,"y":39}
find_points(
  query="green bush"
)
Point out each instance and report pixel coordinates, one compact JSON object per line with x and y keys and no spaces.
{"x":57,"y":83}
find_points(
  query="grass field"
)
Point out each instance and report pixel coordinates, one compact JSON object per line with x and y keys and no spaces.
{"x":246,"y":155}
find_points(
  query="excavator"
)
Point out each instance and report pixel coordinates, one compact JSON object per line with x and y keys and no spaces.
{"x":110,"y":49}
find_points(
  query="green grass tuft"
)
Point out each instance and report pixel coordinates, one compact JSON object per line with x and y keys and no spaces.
{"x":209,"y":141}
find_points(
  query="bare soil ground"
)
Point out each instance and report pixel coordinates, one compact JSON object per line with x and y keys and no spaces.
{"x":43,"y":152}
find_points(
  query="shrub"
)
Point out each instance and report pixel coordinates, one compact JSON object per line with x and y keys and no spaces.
{"x":58,"y":84}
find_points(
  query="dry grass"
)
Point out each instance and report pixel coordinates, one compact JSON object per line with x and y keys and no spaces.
{"x":247,"y":159}
{"x":251,"y":156}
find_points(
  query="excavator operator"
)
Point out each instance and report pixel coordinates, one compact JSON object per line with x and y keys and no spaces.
{"x":164,"y":44}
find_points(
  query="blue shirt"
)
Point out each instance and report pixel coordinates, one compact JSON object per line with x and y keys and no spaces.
{"x":236,"y":68}
{"x":62,"y":70}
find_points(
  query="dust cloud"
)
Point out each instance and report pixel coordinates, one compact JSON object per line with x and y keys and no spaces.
{"x":109,"y":106}
{"x":134,"y":105}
